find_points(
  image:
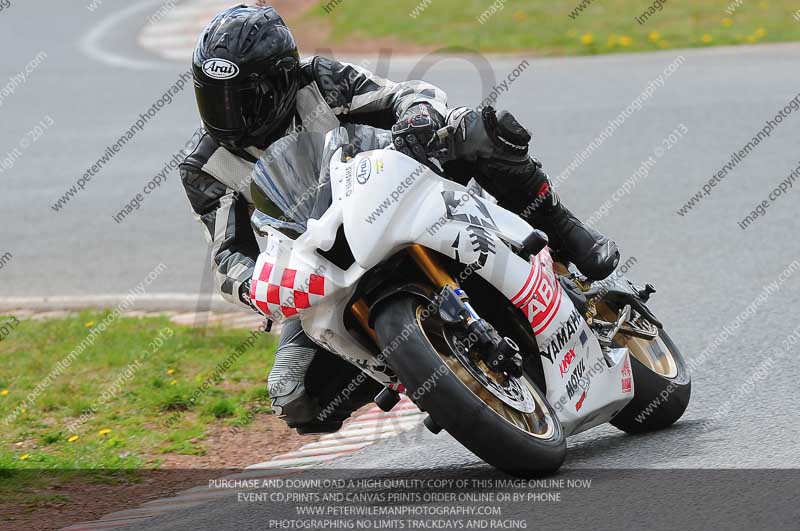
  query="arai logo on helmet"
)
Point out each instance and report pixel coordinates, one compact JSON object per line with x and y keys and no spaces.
{"x":220,"y":69}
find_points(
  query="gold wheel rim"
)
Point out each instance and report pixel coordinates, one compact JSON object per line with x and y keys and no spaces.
{"x":539,"y":423}
{"x":653,"y":354}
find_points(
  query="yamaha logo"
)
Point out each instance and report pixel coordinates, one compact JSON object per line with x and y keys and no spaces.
{"x":220,"y":69}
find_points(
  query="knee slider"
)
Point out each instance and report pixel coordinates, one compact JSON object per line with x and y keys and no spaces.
{"x":297,"y":408}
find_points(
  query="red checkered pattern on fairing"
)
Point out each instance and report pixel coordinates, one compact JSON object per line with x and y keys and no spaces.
{"x":285,"y":292}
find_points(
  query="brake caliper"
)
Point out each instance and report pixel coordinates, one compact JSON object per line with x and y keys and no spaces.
{"x":501,"y":354}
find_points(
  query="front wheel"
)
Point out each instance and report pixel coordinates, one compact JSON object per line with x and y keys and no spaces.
{"x":505,"y":421}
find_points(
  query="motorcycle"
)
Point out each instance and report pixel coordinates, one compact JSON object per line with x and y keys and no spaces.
{"x":436,"y":292}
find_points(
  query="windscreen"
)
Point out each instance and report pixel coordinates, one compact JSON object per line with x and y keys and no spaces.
{"x":294,"y":172}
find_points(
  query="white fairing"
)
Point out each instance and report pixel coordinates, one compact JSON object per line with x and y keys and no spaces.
{"x":388,"y":201}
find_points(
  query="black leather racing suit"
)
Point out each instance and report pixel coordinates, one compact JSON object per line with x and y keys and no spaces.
{"x":492,"y":149}
{"x":217,"y":183}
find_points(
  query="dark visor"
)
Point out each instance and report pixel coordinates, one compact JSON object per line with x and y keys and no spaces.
{"x":229,"y":109}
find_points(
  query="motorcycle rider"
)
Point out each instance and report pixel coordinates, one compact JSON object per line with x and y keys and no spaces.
{"x":252,"y":89}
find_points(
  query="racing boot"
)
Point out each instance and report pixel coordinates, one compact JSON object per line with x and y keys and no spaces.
{"x":595,"y":255}
{"x":291,"y":400}
{"x":497,"y":146}
{"x":313,"y":390}
{"x":517,"y":181}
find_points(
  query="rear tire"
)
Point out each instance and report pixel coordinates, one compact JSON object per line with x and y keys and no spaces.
{"x":439,"y":384}
{"x":659,"y":400}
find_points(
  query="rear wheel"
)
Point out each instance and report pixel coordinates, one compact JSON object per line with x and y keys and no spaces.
{"x":505,"y":421}
{"x":662,"y":385}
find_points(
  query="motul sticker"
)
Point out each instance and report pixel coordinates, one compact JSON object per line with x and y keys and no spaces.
{"x":576,"y":379}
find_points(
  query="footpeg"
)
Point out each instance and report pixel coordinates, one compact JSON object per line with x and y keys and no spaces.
{"x":648,"y":290}
{"x":387,"y":399}
{"x":608,"y":331}
{"x":431,"y":425}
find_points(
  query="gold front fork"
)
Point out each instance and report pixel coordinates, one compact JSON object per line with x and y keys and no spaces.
{"x":435,"y":273}
{"x":361,"y":312}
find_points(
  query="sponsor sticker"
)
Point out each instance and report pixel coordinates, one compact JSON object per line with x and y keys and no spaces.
{"x":363,"y":171}
{"x":569,"y":357}
{"x":579,"y":404}
{"x":348,"y":181}
{"x":627,"y":377}
{"x":220,"y":69}
{"x":574,"y":382}
{"x":562,"y":336}
{"x":540,"y":296}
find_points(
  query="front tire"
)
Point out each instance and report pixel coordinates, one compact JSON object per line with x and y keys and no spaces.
{"x":525,"y":441}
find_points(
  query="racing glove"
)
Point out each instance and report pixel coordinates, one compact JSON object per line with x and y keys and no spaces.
{"x":484,"y":134}
{"x":415,"y":135}
{"x":244,"y":295}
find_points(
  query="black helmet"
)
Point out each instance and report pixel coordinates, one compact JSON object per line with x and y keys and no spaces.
{"x":246,"y":75}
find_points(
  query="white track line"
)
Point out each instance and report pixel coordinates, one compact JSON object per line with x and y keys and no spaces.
{"x":91,"y":43}
{"x":357,"y":433}
{"x":174,"y":36}
{"x":185,"y":302}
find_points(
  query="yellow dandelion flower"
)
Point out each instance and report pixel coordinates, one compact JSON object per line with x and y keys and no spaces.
{"x":624,"y":40}
{"x":4,"y":392}
{"x":727,"y":22}
{"x":519,"y":16}
{"x":654,"y":36}
{"x":663,"y":44}
{"x":170,"y":371}
{"x":73,"y":438}
{"x":89,"y":324}
{"x":104,"y":431}
{"x":751,"y":39}
{"x":760,"y":32}
{"x":173,"y":382}
{"x":707,"y":38}
{"x":24,"y":457}
{"x":587,"y":39}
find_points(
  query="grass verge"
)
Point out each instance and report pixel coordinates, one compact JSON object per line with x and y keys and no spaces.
{"x":573,"y":27}
{"x":139,"y":390}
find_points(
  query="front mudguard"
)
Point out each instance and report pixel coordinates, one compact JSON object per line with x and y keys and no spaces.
{"x":422,"y":291}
